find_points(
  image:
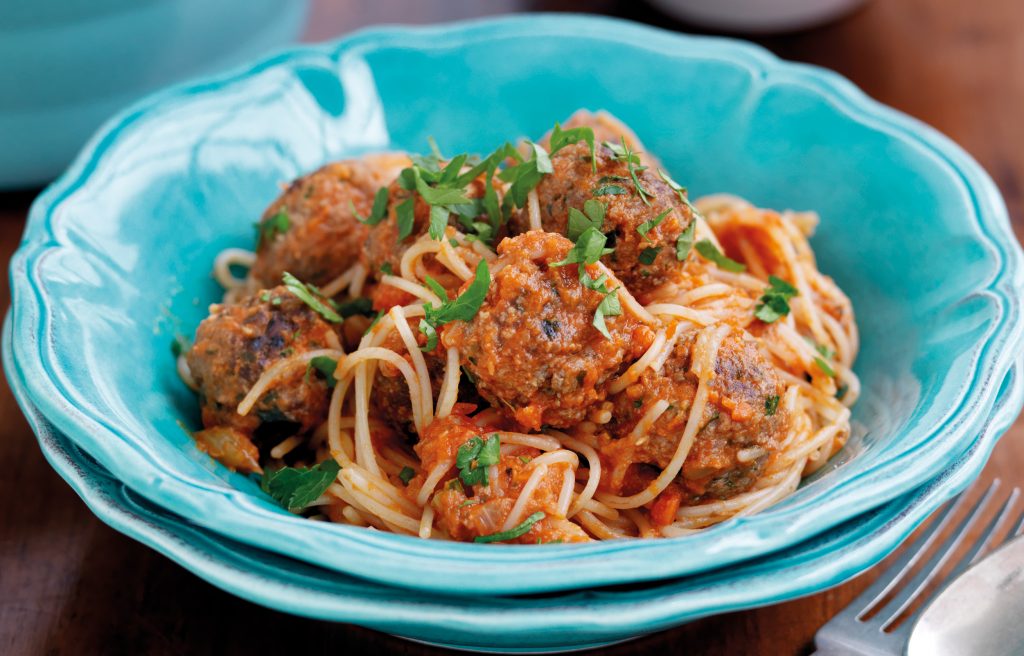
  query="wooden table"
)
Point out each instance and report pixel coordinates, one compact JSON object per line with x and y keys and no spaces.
{"x":71,"y":585}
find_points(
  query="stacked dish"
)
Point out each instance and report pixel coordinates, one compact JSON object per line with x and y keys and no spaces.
{"x":99,"y":289}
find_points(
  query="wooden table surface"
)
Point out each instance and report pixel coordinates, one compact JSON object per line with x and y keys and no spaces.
{"x":71,"y":585}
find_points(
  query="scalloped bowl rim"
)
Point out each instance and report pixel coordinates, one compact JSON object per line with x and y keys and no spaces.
{"x":434,"y":565}
{"x":399,"y":614}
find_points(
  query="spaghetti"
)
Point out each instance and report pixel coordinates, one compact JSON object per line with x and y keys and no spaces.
{"x":427,"y":410}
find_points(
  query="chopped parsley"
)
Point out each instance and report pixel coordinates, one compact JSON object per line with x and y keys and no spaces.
{"x":825,"y":366}
{"x":709,"y":251}
{"x":378,"y":213}
{"x":771,"y":405}
{"x":648,"y":255}
{"x":326,"y":366}
{"x":297,"y":487}
{"x":825,"y":351}
{"x":475,"y":456}
{"x":775,"y":300}
{"x":647,"y":226}
{"x":406,"y":475}
{"x":632,"y":159}
{"x":561,"y":138}
{"x":609,"y":190}
{"x":515,"y":532}
{"x":608,"y":307}
{"x":386,"y":269}
{"x":311,"y":296}
{"x":588,"y":249}
{"x":462,"y":308}
{"x":269,"y":228}
{"x":361,"y":305}
{"x":685,"y":241}
{"x":404,"y":215}
{"x":592,"y":216}
{"x":680,"y":191}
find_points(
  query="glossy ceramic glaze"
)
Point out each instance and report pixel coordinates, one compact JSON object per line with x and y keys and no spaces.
{"x":67,"y":65}
{"x":572,"y":620}
{"x":117,"y":255}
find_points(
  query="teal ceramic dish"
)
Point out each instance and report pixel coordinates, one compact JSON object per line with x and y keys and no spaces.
{"x":117,"y":254}
{"x":573,"y":620}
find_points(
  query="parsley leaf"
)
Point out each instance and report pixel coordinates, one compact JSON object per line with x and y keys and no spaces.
{"x":386,"y":269}
{"x":648,"y":255}
{"x":561,"y":138}
{"x":515,"y":532}
{"x":647,"y":226}
{"x":775,"y":301}
{"x":592,"y":216}
{"x":436,"y":287}
{"x":771,"y":405}
{"x":361,"y":305}
{"x":608,"y":307}
{"x":462,"y":308}
{"x":406,"y":475}
{"x":475,"y":456}
{"x":297,"y":487}
{"x":326,"y":366}
{"x":685,"y":241}
{"x":609,"y":190}
{"x":680,"y":191}
{"x":310,"y":297}
{"x":378,"y":212}
{"x":588,"y":249}
{"x":632,"y":159}
{"x":824,"y":366}
{"x":708,"y":251}
{"x":271,"y":227}
{"x":825,"y":351}
{"x":404,"y":215}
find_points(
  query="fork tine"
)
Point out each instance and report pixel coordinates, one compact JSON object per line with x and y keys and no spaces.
{"x":972,"y":556}
{"x":911,"y":553}
{"x":905,"y":597}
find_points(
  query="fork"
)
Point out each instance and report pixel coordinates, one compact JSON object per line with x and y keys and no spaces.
{"x":876,"y":622}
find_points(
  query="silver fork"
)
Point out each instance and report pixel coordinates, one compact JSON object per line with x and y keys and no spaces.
{"x":873,"y":623}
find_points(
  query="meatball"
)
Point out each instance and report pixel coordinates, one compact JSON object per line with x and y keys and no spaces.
{"x":607,"y":127}
{"x":390,"y":396}
{"x":741,"y":427}
{"x":384,"y":249}
{"x":311,"y":230}
{"x":238,"y":342}
{"x":532,"y":348}
{"x":641,"y":261}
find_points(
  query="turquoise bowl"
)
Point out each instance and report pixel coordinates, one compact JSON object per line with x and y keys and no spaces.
{"x":555,"y":622}
{"x":117,"y":253}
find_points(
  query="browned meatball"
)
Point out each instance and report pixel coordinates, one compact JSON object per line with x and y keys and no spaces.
{"x":532,"y":347}
{"x":641,"y":261}
{"x":311,"y":230}
{"x":238,"y":342}
{"x":607,"y":127}
{"x":741,"y":428}
{"x":390,"y":396}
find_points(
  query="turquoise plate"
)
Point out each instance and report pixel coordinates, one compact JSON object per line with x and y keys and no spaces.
{"x":572,"y":620}
{"x":117,"y":254}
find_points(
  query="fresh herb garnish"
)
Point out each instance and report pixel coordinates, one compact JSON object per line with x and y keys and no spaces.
{"x":513,"y":533}
{"x":592,"y":216}
{"x":271,"y":227}
{"x":386,"y":269}
{"x":685,"y":241}
{"x":771,"y":405}
{"x":311,"y":297}
{"x":378,"y":212}
{"x":326,"y":366}
{"x":351,"y":308}
{"x":561,"y":138}
{"x":608,"y":307}
{"x":825,"y":351}
{"x":462,"y":308}
{"x":609,"y":190}
{"x":647,"y":226}
{"x":824,"y":366}
{"x":588,"y":249}
{"x":406,"y":475}
{"x":475,"y":456}
{"x":708,"y":251}
{"x":632,"y":159}
{"x":648,"y":255}
{"x":775,"y":301}
{"x":404,"y":215}
{"x":297,"y":487}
